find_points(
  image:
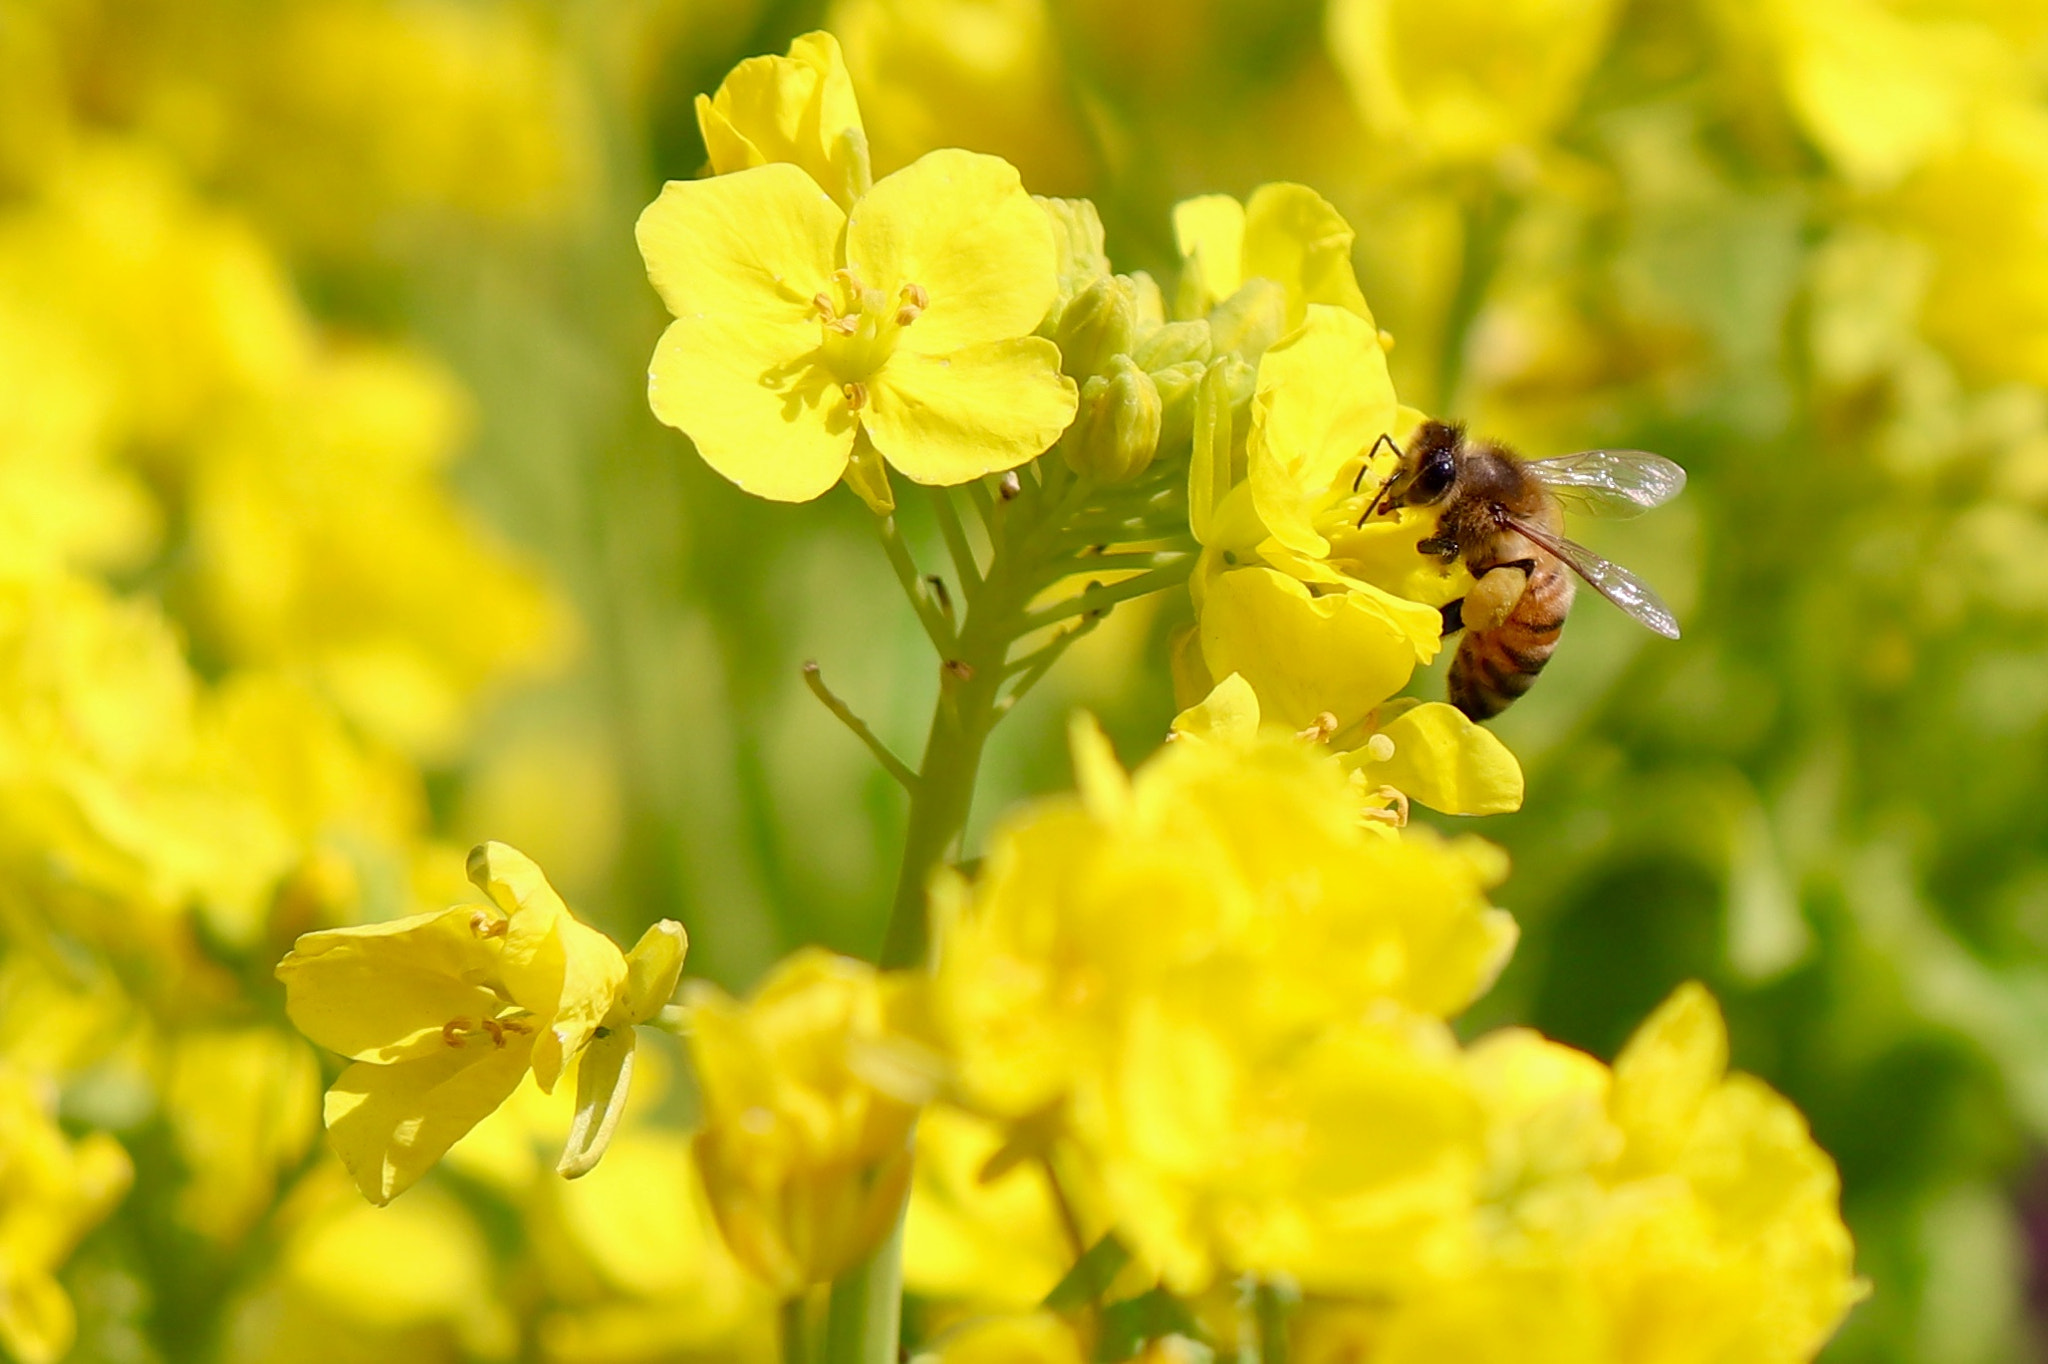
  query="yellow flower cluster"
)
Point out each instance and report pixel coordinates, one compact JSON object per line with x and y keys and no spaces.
{"x":1191,"y":1027}
{"x":238,"y":600}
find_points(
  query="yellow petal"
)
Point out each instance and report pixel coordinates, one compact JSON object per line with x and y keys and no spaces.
{"x":1343,"y":652}
{"x":958,"y":225}
{"x":945,"y":419}
{"x":1323,"y":398}
{"x":1099,"y":779}
{"x":755,"y":246}
{"x":1293,"y":236}
{"x":383,"y":992}
{"x":389,"y":1124}
{"x":1448,"y":763}
{"x":1230,"y":712}
{"x":799,"y":109}
{"x":1665,"y":1074}
{"x":1209,"y":231}
{"x":776,"y":427}
{"x":569,"y":975}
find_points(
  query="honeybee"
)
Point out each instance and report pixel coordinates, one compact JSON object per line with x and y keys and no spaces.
{"x":1502,"y":515}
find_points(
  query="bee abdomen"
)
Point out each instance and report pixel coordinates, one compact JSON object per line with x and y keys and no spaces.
{"x":1494,"y":668}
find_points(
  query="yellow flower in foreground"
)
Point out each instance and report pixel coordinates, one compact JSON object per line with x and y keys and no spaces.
{"x":1204,"y":968}
{"x":52,"y":1191}
{"x":1661,"y":1213}
{"x":906,"y":323}
{"x":805,"y":1159}
{"x":444,"y":1013}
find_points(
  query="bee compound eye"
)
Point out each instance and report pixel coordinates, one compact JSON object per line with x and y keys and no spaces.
{"x":1433,"y":479}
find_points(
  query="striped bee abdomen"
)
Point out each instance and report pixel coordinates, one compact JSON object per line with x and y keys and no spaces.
{"x":1495,"y":667}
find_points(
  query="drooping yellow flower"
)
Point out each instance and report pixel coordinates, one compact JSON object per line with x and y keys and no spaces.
{"x":444,"y":1013}
{"x":805,"y":1158}
{"x":906,"y":323}
{"x":52,"y":1191}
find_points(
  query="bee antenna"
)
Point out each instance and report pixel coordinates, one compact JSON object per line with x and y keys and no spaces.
{"x":1381,"y":495}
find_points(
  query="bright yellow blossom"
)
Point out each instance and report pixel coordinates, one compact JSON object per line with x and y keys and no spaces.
{"x":798,"y":109}
{"x":1661,"y":1213}
{"x":906,"y":323}
{"x":1326,"y":619}
{"x":806,"y":1160}
{"x":1285,"y":234}
{"x":1464,"y":80}
{"x":52,"y":1191}
{"x":444,"y":1014}
{"x":1201,"y":967}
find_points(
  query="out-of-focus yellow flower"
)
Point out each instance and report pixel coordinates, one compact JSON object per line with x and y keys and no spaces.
{"x":1029,"y":1338}
{"x":1201,"y":968}
{"x":445,"y":1013}
{"x":357,"y":1285}
{"x":652,"y":1278}
{"x":349,"y":562}
{"x":798,"y":109}
{"x":1664,"y":1213}
{"x":1469,"y":79}
{"x":988,"y":1242}
{"x":1882,"y":87}
{"x":1285,"y":234}
{"x":986,"y":74}
{"x":179,"y":306}
{"x":63,"y":500}
{"x":801,"y":329}
{"x":52,"y":1191}
{"x":806,"y":1159}
{"x":241,"y":1104}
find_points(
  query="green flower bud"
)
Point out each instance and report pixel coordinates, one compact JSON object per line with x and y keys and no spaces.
{"x":1177,"y":385}
{"x":1077,"y":237}
{"x":1117,"y":431}
{"x":1100,"y":323}
{"x":1171,"y":344}
{"x":1249,"y":320}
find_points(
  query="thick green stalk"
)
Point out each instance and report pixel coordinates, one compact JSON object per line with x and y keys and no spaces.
{"x":865,"y":1319}
{"x":961,"y":721}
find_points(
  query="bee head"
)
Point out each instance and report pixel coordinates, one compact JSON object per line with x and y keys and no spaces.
{"x":1428,"y":469}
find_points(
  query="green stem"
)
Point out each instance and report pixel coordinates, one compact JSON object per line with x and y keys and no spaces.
{"x":935,"y":625}
{"x":865,"y":1318}
{"x":955,"y":535}
{"x":796,"y":1345}
{"x":961,"y":721}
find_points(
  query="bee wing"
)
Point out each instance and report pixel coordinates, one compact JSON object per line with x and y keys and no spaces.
{"x":1611,"y":482}
{"x":1635,"y":597}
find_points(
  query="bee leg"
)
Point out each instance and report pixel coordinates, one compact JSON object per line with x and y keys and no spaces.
{"x":1441,"y":546}
{"x":1454,"y":616}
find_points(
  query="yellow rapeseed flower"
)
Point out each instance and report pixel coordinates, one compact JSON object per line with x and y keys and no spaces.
{"x":1201,"y":968}
{"x":905,"y":323}
{"x":446,"y":1012}
{"x":798,"y":109}
{"x":1285,"y":234}
{"x":52,"y":1191}
{"x":805,"y":1158}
